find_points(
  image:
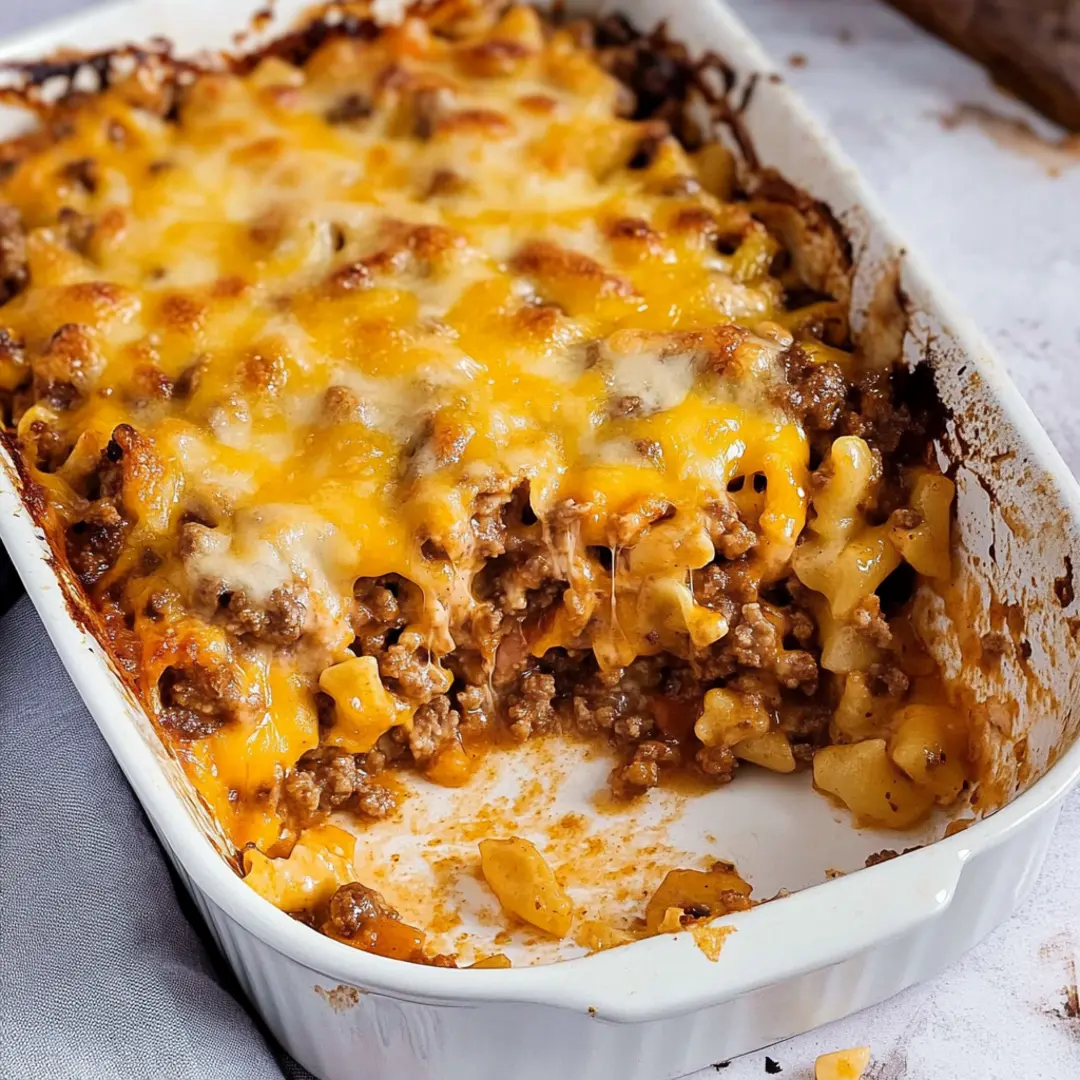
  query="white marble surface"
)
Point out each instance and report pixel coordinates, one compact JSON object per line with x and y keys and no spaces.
{"x":1003,"y":236}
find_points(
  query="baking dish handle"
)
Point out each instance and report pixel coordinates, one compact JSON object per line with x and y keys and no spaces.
{"x":816,"y":928}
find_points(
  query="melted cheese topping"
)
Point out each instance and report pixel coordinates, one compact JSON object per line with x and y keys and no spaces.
{"x":334,"y":305}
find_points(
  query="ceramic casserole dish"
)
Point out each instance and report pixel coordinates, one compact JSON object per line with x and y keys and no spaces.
{"x":663,"y":1007}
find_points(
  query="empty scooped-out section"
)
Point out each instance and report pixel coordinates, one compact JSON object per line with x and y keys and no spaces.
{"x":609,"y":855}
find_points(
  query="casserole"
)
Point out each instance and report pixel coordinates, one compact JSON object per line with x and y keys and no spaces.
{"x":678,"y":994}
{"x":373,"y":457}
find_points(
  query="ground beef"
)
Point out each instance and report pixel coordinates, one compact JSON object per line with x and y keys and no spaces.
{"x":617,"y":701}
{"x":348,"y":108}
{"x":730,"y":535}
{"x":328,"y":779}
{"x":492,"y":508}
{"x":434,"y":726}
{"x":378,"y":602}
{"x":76,"y":229}
{"x":875,"y":416}
{"x":323,"y":780}
{"x":898,"y":413}
{"x":754,"y":642}
{"x":68,"y":367}
{"x":638,"y":775}
{"x":633,"y":726}
{"x":149,"y":384}
{"x":797,"y":669}
{"x":341,"y":406}
{"x":488,"y":529}
{"x":301,"y":796}
{"x":408,"y":664}
{"x":718,"y":763}
{"x":801,"y":626}
{"x":14,"y":270}
{"x":199,"y":699}
{"x":888,"y":679}
{"x":529,"y":709}
{"x":524,"y":579}
{"x":643,"y":770}
{"x":375,"y":801}
{"x":279,"y":620}
{"x":188,"y":725}
{"x":361,"y":916}
{"x":194,"y":538}
{"x":476,"y":707}
{"x":353,"y":906}
{"x":725,"y":586}
{"x":377,"y":612}
{"x":806,"y":724}
{"x":814,"y":393}
{"x":485,"y":631}
{"x":869,"y":621}
{"x":94,"y":544}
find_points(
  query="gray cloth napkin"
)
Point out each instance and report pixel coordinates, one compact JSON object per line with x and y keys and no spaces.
{"x":104,"y":969}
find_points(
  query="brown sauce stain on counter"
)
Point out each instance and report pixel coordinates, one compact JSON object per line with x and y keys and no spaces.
{"x":1017,"y":136}
{"x":1062,"y":949}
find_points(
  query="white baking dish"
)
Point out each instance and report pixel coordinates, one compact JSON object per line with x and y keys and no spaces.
{"x":660,"y":1008}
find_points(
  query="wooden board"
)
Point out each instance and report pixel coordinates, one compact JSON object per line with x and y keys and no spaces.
{"x":1032,"y":47}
